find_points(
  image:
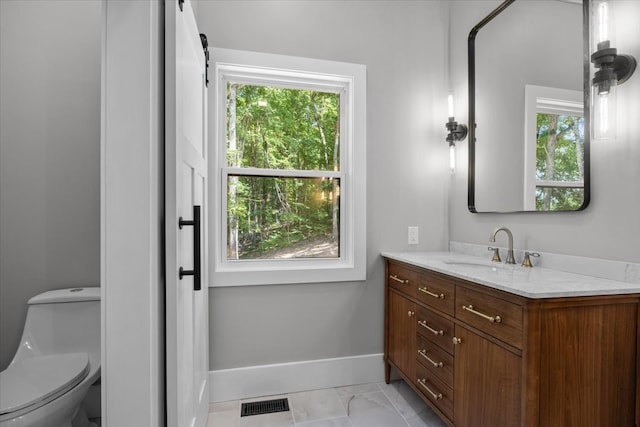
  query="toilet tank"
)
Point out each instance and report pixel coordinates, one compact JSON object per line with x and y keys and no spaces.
{"x":62,"y":321}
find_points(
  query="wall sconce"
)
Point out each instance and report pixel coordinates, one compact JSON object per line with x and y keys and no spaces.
{"x":613,"y":69}
{"x":457,"y":132}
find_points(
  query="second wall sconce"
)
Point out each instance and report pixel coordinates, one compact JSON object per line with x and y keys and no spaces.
{"x":457,"y":132}
{"x":612,"y":69}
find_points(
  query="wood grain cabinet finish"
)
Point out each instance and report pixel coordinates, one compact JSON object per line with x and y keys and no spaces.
{"x":401,"y":333}
{"x":487,"y":383}
{"x":480,"y":357}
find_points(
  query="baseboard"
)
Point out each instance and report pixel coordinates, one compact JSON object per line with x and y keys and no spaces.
{"x":283,"y":378}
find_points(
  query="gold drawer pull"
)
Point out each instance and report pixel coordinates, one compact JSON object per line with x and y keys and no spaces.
{"x":435,"y":364}
{"x":423,"y":383}
{"x":394,"y":277}
{"x":411,"y":313}
{"x":426,"y":291}
{"x":469,"y":308}
{"x":457,"y":340}
{"x":423,"y":323}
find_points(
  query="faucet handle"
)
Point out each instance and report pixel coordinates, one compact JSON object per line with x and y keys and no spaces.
{"x":496,"y":254}
{"x":526,"y":262}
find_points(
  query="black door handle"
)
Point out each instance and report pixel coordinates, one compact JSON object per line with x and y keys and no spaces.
{"x":196,"y":248}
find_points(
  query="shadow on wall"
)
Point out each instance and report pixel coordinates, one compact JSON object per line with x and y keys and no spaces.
{"x":49,"y":154}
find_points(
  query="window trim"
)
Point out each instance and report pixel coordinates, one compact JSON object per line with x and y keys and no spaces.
{"x":550,"y":100}
{"x":302,"y":73}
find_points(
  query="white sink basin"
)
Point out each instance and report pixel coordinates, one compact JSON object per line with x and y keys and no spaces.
{"x":492,"y":266}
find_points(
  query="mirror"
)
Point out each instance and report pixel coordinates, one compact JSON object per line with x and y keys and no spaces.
{"x":529,"y":100}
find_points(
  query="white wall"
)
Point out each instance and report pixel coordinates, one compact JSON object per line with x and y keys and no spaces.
{"x":49,"y":154}
{"x":132,"y":210}
{"x":403,"y":45}
{"x":609,"y":228}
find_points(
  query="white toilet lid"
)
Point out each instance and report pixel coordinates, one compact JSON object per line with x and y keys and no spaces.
{"x":36,"y":379}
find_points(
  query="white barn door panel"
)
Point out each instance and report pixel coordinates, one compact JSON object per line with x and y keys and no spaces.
{"x":187,"y":317}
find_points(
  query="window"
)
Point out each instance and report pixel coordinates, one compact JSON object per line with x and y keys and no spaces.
{"x":289,"y":138}
{"x":554,"y":151}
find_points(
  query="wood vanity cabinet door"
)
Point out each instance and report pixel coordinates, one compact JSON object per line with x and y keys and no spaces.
{"x":402,"y":334}
{"x":487,"y":383}
{"x":588,"y":363}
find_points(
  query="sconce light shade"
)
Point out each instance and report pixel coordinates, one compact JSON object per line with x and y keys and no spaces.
{"x":452,"y":156}
{"x":450,"y":105}
{"x":612,"y":69}
{"x":457,"y":132}
{"x":600,"y":28}
{"x":603,"y":95}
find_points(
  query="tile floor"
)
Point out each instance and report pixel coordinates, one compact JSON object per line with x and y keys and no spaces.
{"x":366,"y":405}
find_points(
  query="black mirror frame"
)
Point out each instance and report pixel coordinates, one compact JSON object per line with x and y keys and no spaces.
{"x":472,"y":112}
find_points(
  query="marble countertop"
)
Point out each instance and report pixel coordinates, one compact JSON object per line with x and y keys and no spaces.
{"x":536,"y":282}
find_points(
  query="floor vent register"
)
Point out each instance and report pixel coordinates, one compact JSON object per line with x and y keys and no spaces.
{"x":264,"y":407}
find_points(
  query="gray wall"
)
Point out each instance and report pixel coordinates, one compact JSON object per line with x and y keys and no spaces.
{"x":403,"y":45}
{"x":609,"y":228}
{"x":49,"y":154}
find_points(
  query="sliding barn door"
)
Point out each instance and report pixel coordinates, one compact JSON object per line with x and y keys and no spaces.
{"x":187,"y":319}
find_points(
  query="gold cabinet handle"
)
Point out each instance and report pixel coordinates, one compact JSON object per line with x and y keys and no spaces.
{"x":423,"y":383}
{"x":435,"y":364}
{"x":411,"y":313}
{"x":394,"y":277}
{"x":492,"y":319}
{"x":423,"y":323}
{"x":457,"y":340}
{"x":426,"y":291}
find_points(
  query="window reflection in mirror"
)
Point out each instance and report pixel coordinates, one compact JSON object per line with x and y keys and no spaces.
{"x":554,"y":149}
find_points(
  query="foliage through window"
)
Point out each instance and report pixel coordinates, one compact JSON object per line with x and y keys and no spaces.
{"x":554,"y":156}
{"x":273,"y":130}
{"x":559,"y":162}
{"x":289,"y":139}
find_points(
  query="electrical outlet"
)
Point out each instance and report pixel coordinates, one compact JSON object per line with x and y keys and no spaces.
{"x":413,"y":236}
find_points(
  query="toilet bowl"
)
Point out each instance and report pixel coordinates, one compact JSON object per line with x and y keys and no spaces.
{"x":56,"y":363}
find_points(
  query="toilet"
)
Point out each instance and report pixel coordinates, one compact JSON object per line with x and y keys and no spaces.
{"x":57,"y":362}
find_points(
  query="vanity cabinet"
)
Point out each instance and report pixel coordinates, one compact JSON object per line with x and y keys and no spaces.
{"x":487,"y":382}
{"x":479,"y":356}
{"x":401,"y":333}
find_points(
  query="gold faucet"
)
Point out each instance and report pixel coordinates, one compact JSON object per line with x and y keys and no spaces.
{"x":496,"y":254}
{"x":526,"y":262}
{"x":492,"y":238}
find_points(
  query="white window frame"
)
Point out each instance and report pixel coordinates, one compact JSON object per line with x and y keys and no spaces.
{"x":304,"y":73}
{"x":549,"y":100}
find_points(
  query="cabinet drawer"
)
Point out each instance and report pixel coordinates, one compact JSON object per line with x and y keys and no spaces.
{"x":436,"y":292}
{"x":402,"y":278}
{"x":495,"y":316}
{"x":435,"y":328}
{"x":436,"y":360}
{"x":435,"y":391}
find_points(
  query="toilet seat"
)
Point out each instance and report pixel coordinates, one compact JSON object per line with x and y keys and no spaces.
{"x":33,"y":382}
